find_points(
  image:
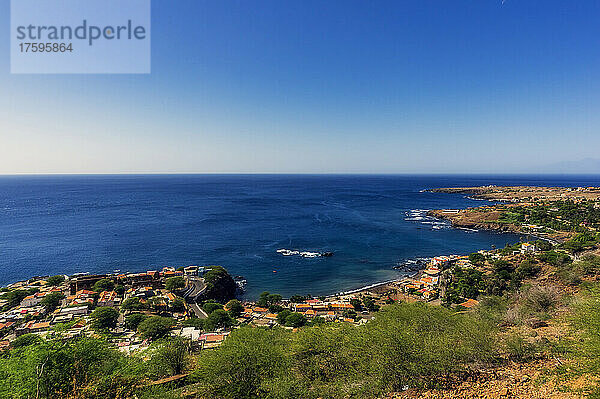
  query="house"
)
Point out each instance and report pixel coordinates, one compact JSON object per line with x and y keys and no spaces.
{"x":107,"y":298}
{"x":32,"y":300}
{"x":528,"y":248}
{"x":191,"y":270}
{"x":469,"y":303}
{"x":75,"y":311}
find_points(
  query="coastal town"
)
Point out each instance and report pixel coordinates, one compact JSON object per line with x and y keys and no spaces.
{"x":201,"y":304}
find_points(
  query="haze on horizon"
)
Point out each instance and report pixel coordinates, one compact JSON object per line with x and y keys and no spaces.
{"x":324,"y":87}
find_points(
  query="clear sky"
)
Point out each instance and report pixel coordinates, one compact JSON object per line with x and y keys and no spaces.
{"x":323,"y":86}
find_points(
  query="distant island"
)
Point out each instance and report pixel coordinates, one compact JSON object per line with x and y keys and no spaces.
{"x":518,"y":321}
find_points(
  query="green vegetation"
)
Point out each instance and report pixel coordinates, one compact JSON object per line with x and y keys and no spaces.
{"x":104,"y":318}
{"x":219,"y":318}
{"x":156,"y":327}
{"x":133,"y":304}
{"x":235,"y":308}
{"x":56,"y":280}
{"x":211,"y":306}
{"x":407,"y":344}
{"x":133,"y":320}
{"x":103,"y":285}
{"x":174,"y":283}
{"x":51,"y":301}
{"x":266,"y":299}
{"x":219,"y":284}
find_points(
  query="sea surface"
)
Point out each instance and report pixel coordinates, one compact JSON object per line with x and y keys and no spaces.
{"x":96,"y":224}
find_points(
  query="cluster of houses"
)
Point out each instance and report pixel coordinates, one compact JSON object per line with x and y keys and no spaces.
{"x":426,"y":284}
{"x":79,"y":299}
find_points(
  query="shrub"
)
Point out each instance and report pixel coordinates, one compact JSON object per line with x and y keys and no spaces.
{"x":170,"y":356}
{"x":541,"y":299}
{"x":518,"y":348}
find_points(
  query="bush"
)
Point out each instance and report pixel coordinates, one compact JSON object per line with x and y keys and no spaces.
{"x":528,"y":269}
{"x":476,"y":258}
{"x":245,"y":365}
{"x":540,"y":299}
{"x":295,"y":320}
{"x":194,"y":322}
{"x":170,"y":356}
{"x":518,"y":348}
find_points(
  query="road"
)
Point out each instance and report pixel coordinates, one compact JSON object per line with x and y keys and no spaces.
{"x":195,"y":288}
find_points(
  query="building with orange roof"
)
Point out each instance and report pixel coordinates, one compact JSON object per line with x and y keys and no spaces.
{"x":469,"y":303}
{"x":107,"y":298}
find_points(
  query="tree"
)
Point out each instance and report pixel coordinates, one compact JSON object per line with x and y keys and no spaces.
{"x":133,"y":320}
{"x":178,"y":305}
{"x":355,"y":302}
{"x":171,"y":356}
{"x":476,"y":258}
{"x":295,"y":320}
{"x":275,"y":308}
{"x":370,"y":304}
{"x":15,"y":297}
{"x":174,"y":283}
{"x":219,"y":284}
{"x":119,"y":289}
{"x":25,"y":340}
{"x":56,"y":280}
{"x":266,"y":299}
{"x":298,"y":298}
{"x":281,"y":316}
{"x":194,"y":322}
{"x":155,"y":327}
{"x":133,"y":303}
{"x":211,"y":306}
{"x":51,"y":301}
{"x":218,"y":319}
{"x":104,"y":285}
{"x":235,"y":308}
{"x":104,"y":318}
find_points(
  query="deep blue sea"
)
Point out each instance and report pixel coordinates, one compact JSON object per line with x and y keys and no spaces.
{"x":95,"y":224}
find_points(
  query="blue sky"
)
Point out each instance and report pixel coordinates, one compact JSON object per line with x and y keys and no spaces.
{"x":323,"y":87}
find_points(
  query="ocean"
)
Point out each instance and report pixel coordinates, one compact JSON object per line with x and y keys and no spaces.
{"x":372,"y":223}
